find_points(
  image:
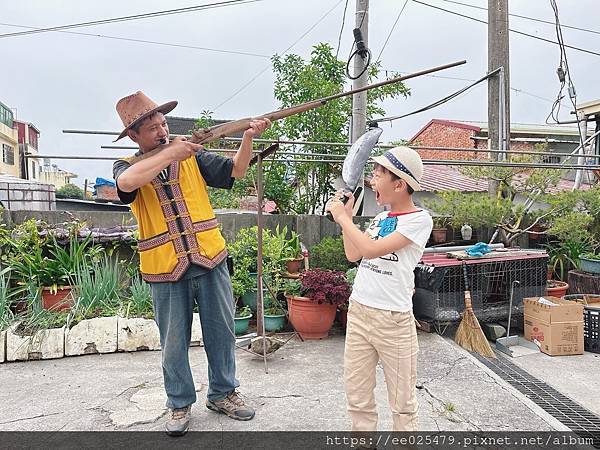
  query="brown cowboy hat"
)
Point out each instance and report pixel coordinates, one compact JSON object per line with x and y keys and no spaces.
{"x":136,"y":107}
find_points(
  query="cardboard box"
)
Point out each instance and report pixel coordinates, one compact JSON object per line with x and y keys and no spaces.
{"x":558,"y":328}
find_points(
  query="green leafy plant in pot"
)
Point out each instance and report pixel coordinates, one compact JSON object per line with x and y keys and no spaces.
{"x":274,"y":314}
{"x":243,"y":314}
{"x":291,"y":249}
{"x":590,"y":263}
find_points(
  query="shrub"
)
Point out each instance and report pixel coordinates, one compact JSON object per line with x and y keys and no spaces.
{"x":69,"y":191}
{"x":329,"y":254}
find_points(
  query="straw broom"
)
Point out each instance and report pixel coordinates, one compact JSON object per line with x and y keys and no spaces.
{"x":469,"y":334}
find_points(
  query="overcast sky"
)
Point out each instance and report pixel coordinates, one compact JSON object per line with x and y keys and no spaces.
{"x":59,"y":81}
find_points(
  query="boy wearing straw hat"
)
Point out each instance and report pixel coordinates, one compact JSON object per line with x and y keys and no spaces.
{"x":381,"y":325}
{"x":182,"y":252}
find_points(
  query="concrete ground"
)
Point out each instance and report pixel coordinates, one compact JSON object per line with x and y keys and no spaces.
{"x":303,"y":390}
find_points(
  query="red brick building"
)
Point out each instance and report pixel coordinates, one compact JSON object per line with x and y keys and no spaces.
{"x":452,"y":134}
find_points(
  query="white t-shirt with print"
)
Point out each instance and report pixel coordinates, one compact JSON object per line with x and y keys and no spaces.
{"x":387,"y":282}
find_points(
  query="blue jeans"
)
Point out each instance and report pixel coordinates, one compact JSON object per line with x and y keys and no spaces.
{"x":173,"y":309}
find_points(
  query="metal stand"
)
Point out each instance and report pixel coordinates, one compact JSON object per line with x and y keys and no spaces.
{"x":514,"y":346}
{"x":260,"y":311}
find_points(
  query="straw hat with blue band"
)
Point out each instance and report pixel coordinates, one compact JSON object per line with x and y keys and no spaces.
{"x":405,"y":163}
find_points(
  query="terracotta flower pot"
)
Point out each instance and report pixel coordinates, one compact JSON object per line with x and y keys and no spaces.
{"x":557,"y":288}
{"x":438,"y":235}
{"x":61,"y":300}
{"x":312,"y":320}
{"x":293,"y":266}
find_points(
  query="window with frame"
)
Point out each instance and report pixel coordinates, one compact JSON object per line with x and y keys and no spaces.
{"x":8,"y":154}
{"x":6,"y":116}
{"x":550,"y":159}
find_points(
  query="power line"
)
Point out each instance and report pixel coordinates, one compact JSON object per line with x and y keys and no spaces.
{"x":132,"y":17}
{"x":534,"y":19}
{"x":143,"y":41}
{"x":438,"y":102}
{"x":341,"y":31}
{"x":515,"y":89}
{"x":510,"y":29}
{"x":249,"y":82}
{"x":392,"y":30}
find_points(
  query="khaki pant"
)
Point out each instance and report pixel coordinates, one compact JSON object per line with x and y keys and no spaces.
{"x":374,"y":335}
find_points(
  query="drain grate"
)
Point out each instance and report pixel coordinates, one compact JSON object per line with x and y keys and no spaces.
{"x":580,"y":420}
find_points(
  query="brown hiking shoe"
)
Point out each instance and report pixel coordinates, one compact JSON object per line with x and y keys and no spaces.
{"x":179,"y":421}
{"x":233,"y":406}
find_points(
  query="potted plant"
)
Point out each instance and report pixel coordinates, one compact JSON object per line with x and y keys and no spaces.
{"x":244,"y":282}
{"x":556,"y":288}
{"x":52,"y":266}
{"x":57,"y":275}
{"x":244,"y":252}
{"x":590,"y":262}
{"x":313,"y":300}
{"x":565,"y":255}
{"x":440,"y":229}
{"x":274,"y":317}
{"x":38,"y":333}
{"x":243,"y":314}
{"x":291,"y":251}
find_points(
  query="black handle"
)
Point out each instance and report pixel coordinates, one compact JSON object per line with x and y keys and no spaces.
{"x":345,"y":199}
{"x":464,"y":266}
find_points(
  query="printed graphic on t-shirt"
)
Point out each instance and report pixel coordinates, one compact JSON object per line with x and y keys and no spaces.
{"x":386,"y":226}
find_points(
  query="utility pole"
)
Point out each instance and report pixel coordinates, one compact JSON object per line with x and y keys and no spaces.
{"x":359,"y":101}
{"x":499,"y":85}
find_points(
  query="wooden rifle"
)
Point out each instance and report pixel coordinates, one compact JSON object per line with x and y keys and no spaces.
{"x":216,"y":132}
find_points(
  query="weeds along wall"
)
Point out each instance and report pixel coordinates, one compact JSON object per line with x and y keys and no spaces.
{"x":312,"y":228}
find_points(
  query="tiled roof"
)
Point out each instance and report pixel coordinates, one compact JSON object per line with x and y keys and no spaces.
{"x":527,"y":128}
{"x":445,"y":178}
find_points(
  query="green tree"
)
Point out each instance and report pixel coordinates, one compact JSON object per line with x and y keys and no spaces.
{"x":69,"y":191}
{"x":304,"y":187}
{"x":298,"y":81}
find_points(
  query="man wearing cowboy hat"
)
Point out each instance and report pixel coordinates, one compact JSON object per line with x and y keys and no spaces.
{"x":381,"y":326}
{"x":182,"y":252}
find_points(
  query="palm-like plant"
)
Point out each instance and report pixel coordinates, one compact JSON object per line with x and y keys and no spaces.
{"x":564,"y":256}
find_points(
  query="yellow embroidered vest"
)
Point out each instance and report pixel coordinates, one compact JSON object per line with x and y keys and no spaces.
{"x":177,"y":225}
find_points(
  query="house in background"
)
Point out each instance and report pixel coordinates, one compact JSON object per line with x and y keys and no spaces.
{"x":33,"y":168}
{"x":9,"y":164}
{"x":28,"y":145}
{"x":474,"y":135}
{"x":52,"y":174}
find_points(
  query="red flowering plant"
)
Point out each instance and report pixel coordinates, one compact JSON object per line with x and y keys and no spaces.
{"x":325,"y":286}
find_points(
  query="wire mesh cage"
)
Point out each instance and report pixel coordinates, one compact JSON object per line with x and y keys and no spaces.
{"x":440,"y":290}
